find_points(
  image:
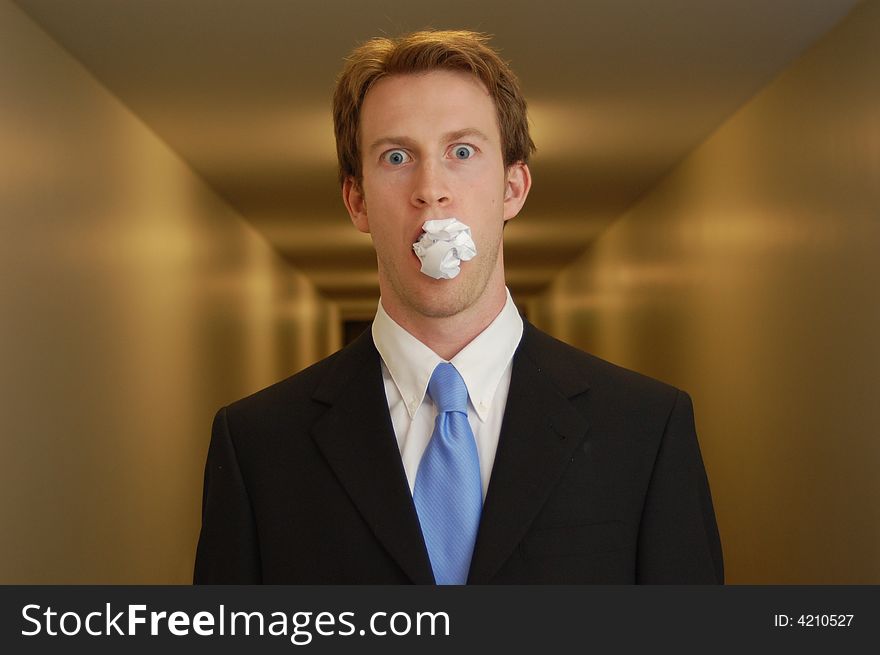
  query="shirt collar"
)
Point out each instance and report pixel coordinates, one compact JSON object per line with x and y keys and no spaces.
{"x":481,"y":363}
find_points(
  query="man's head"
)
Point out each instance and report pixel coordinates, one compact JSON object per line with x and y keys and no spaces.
{"x":432,"y":126}
{"x":421,"y":52}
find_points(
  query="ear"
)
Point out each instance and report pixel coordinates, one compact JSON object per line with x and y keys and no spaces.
{"x":517,"y":183}
{"x":356,"y":204}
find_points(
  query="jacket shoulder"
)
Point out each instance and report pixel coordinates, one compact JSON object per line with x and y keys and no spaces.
{"x":318,"y":382}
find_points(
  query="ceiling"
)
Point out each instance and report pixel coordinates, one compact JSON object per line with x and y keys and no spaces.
{"x":619,"y":91}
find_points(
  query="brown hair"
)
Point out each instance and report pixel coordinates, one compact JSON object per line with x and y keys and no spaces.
{"x":421,"y":52}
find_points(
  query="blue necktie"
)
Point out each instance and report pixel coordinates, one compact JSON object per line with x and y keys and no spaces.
{"x":448,"y":493}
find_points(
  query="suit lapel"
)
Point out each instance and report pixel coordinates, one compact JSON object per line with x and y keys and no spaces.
{"x":539,"y":433}
{"x":356,"y":437}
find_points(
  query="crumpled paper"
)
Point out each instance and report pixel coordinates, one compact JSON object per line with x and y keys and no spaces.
{"x":444,"y":244}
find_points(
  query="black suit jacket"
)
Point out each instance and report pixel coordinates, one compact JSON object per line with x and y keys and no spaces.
{"x":598,"y":478}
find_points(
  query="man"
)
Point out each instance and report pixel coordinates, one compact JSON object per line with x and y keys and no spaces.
{"x":453,"y":443}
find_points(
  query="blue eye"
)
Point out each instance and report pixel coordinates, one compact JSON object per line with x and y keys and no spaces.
{"x":463,"y":152}
{"x":396,"y":157}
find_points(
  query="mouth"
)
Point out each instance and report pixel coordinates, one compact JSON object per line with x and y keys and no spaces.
{"x":414,"y":237}
{"x":420,"y":230}
{"x":442,"y":248}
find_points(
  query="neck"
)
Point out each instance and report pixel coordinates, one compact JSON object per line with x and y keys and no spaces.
{"x":447,"y":335}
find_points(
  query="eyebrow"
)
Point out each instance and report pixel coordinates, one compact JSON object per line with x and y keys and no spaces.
{"x":471,"y":132}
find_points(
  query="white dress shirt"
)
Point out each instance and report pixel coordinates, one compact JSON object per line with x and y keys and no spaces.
{"x":484,"y":364}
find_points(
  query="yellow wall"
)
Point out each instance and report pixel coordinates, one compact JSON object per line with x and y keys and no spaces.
{"x":749,"y":276}
{"x":133,"y":303}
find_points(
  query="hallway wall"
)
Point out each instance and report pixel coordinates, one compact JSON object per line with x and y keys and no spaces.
{"x":134,"y":303}
{"x":749,"y":277}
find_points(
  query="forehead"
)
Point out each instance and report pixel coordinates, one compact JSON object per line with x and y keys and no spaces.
{"x":418,"y":105}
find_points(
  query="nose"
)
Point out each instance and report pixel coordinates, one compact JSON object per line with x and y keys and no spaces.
{"x":430,"y":186}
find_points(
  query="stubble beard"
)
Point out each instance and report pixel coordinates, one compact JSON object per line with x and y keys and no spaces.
{"x":451,"y":296}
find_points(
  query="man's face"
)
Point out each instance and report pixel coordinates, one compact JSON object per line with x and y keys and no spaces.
{"x":431,"y":149}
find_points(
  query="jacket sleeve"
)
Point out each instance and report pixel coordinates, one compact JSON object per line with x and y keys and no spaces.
{"x":678,"y":535}
{"x":227,"y":551}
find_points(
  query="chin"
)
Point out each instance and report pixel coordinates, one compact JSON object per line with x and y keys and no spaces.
{"x":434,"y":298}
{"x":444,"y":298}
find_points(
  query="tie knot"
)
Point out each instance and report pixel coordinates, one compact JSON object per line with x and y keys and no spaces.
{"x":447,"y":389}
